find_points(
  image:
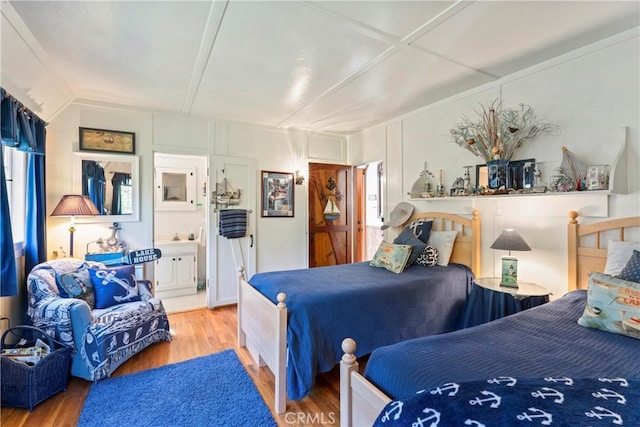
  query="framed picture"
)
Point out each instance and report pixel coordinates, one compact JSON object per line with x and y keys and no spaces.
{"x":111,"y":141}
{"x":277,"y":194}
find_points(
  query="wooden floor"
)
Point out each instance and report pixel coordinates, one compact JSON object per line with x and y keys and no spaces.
{"x":195,"y":333}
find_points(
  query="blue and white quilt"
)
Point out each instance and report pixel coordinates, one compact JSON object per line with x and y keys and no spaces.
{"x":508,"y":401}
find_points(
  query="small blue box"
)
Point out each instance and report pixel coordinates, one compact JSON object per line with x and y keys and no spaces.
{"x":107,"y":258}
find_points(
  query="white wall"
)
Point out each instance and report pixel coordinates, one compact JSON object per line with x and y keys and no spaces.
{"x":281,"y":242}
{"x":589,"y":93}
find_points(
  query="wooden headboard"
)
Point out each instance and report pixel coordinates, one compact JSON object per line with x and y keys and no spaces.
{"x":466,"y":248}
{"x":585,"y":251}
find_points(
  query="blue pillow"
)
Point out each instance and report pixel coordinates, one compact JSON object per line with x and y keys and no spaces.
{"x":114,"y":285}
{"x":408,"y":238}
{"x":421,"y":229}
{"x":631,"y":271}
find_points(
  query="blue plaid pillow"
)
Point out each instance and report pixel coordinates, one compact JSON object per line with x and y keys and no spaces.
{"x":631,"y":271}
{"x":408,"y":238}
{"x":114,"y":285}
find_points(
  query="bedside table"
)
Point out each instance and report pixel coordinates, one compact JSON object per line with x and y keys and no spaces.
{"x":489,"y":301}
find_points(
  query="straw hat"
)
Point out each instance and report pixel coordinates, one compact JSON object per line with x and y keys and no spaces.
{"x":399,"y":215}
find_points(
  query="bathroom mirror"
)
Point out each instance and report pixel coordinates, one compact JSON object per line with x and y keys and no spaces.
{"x":112,"y":182}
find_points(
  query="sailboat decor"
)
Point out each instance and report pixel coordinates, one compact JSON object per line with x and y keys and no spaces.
{"x":331,"y":211}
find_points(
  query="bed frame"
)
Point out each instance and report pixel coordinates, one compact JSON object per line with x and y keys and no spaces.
{"x":262,"y":325}
{"x":361,"y":401}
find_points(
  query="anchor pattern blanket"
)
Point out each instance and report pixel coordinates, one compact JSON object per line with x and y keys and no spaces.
{"x":508,"y":401}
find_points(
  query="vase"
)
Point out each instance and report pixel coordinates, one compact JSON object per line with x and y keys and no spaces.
{"x":497,"y":173}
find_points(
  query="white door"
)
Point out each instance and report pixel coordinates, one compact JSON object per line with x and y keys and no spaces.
{"x":225,"y":255}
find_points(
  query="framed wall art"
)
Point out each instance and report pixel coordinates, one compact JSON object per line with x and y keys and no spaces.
{"x":111,"y":141}
{"x":277,"y":194}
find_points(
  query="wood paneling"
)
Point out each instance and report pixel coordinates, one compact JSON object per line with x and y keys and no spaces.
{"x":195,"y":333}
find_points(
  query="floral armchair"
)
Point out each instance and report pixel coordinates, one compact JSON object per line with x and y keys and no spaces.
{"x":104,"y":314}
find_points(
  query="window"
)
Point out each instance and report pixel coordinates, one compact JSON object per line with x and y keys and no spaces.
{"x":15,"y":166}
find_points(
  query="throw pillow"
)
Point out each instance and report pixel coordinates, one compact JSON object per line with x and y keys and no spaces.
{"x":421,"y":229}
{"x":392,"y":257}
{"x":76,"y":284}
{"x":114,"y":285}
{"x":631,"y":271}
{"x":408,"y":238}
{"x":428,"y":257}
{"x":443,"y":242}
{"x":618,"y":253}
{"x":613,"y":305}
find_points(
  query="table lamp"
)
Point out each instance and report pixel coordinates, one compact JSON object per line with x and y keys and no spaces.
{"x":73,"y":205}
{"x":510,"y":240}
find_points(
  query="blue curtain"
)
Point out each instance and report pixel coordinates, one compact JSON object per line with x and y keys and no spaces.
{"x":35,"y":250}
{"x":24,"y":130}
{"x":118,"y":180}
{"x":8,"y":277}
{"x":94,"y":183}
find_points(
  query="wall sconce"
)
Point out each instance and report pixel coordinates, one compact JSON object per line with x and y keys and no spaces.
{"x":299,"y":178}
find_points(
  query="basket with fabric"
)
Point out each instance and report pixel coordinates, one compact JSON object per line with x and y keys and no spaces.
{"x":25,"y":386}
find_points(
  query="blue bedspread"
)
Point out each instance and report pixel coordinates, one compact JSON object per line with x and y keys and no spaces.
{"x":539,"y":342}
{"x":371,"y":305}
{"x":507,"y":401}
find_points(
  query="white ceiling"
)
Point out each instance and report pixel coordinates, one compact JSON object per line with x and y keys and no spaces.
{"x":336,"y":66}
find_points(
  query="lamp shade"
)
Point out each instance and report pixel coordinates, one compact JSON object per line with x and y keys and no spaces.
{"x":510,"y":240}
{"x":75,"y":204}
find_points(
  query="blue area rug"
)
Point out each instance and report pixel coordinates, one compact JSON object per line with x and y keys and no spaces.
{"x":206,"y":391}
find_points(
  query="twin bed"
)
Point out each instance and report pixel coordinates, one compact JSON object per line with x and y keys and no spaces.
{"x":538,"y":349}
{"x":295,"y":321}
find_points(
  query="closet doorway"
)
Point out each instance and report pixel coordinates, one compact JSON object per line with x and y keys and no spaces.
{"x":180,"y":230}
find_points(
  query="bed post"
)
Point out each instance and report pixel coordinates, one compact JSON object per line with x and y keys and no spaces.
{"x":348,"y":364}
{"x":242,"y":338}
{"x":572,"y":250}
{"x":280,"y":373}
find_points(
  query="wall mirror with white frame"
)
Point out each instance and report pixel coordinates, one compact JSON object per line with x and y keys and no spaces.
{"x":112,"y":182}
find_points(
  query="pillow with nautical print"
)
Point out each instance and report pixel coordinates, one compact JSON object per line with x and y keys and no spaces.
{"x":391,"y":257}
{"x":76,"y":284}
{"x":421,"y":229}
{"x":408,"y":238}
{"x":428,"y":257}
{"x":613,"y":305}
{"x":114,"y":285}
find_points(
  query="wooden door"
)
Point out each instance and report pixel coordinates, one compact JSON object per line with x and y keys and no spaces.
{"x":359,"y":254}
{"x":330,"y":241}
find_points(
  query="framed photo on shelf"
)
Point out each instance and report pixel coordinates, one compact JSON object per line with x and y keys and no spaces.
{"x":111,"y":141}
{"x":519,"y":174}
{"x":277,"y":194}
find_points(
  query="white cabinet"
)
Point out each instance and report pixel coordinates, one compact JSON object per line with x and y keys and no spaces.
{"x":176,"y":272}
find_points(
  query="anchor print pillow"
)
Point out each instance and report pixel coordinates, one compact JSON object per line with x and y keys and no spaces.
{"x":507,"y":401}
{"x":115,"y":285}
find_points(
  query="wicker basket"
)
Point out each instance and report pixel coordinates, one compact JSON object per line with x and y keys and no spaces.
{"x":25,"y":386}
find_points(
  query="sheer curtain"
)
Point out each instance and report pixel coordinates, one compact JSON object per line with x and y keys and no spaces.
{"x":25,"y":131}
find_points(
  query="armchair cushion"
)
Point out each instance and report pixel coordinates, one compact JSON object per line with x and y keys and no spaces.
{"x":114,"y":285}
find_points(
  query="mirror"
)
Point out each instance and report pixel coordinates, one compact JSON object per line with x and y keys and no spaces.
{"x":112,"y":182}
